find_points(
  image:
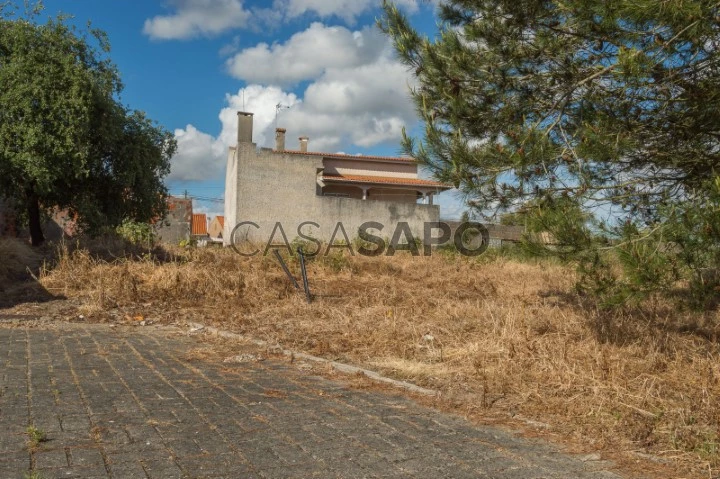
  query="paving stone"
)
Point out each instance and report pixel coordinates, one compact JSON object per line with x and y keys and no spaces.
{"x":12,"y":469}
{"x":51,"y":459}
{"x":86,"y":457}
{"x":123,"y":403}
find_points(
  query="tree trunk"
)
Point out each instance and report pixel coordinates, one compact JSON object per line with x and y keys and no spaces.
{"x":33,"y":206}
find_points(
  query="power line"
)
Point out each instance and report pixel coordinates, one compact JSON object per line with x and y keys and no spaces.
{"x":200,"y":198}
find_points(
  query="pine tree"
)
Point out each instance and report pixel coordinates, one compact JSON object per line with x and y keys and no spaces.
{"x":608,"y":107}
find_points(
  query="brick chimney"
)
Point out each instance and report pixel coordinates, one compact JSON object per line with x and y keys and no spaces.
{"x":304,"y":143}
{"x":280,"y":139}
{"x":245,"y":127}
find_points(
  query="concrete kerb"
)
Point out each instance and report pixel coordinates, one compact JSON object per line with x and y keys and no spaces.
{"x":341,"y":367}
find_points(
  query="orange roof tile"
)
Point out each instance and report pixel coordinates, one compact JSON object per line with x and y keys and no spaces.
{"x":385,"y":180}
{"x":199,"y":224}
{"x":221,"y":220}
{"x":402,"y":159}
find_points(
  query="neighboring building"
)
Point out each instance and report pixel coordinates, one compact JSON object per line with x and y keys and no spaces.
{"x":176,"y":226}
{"x":56,"y":223}
{"x":215,"y":230}
{"x":199,"y":226}
{"x":503,"y":235}
{"x":200,"y":229}
{"x":312,"y":192}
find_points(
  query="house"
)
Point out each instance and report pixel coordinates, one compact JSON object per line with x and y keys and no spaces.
{"x":271,"y":193}
{"x":177,"y":224}
{"x":199,"y":226}
{"x":215,"y":230}
{"x":56,"y":223}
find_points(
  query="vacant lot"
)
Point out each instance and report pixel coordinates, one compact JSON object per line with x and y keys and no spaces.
{"x":498,"y":337}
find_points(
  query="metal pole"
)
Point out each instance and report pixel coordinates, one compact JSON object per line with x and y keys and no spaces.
{"x":285,"y":268}
{"x":304,"y":275}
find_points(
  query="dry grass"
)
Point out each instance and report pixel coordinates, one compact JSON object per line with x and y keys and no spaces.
{"x":15,"y":259}
{"x":497,"y":336}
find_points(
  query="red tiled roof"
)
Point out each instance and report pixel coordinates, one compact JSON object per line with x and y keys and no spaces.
{"x":402,"y":159}
{"x":199,"y":224}
{"x":221,"y":220}
{"x":385,"y":180}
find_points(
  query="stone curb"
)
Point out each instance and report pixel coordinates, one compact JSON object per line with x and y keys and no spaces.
{"x":343,"y":368}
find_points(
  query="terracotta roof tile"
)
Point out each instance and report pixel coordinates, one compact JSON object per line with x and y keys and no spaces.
{"x":199,"y":224}
{"x":385,"y":180}
{"x":402,"y":159}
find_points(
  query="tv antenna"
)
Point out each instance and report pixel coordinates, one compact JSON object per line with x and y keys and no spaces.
{"x":279,"y":107}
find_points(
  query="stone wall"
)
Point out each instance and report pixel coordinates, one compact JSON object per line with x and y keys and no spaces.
{"x":499,"y":234}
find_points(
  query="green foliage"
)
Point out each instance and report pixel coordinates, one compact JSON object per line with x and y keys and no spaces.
{"x":65,"y":138}
{"x":336,"y":261}
{"x":35,"y":436}
{"x":136,"y":233}
{"x":310,"y":249}
{"x":569,"y":110}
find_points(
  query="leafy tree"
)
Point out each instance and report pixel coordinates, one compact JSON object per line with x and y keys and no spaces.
{"x":65,"y":138}
{"x":607,"y":107}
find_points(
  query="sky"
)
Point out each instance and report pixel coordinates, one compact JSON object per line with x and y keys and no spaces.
{"x":192,"y":64}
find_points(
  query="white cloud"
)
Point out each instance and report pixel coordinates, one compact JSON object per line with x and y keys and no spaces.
{"x":211,"y":209}
{"x":194,"y":18}
{"x":361,"y":100}
{"x":199,"y":155}
{"x":197,"y":18}
{"x":261,"y":102}
{"x":348,"y":10}
{"x":306,"y":55}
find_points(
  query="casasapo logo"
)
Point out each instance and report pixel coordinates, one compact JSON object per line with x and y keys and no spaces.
{"x":372,"y":239}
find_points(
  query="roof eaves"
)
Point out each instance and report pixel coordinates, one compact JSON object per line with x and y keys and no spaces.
{"x":393,"y":159}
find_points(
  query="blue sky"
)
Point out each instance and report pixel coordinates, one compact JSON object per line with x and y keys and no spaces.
{"x":191,"y":64}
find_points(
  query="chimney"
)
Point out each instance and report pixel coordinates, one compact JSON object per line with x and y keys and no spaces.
{"x":245,"y":127}
{"x":279,"y":139}
{"x":303,"y":143}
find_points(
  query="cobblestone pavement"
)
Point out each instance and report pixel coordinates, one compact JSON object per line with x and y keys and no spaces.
{"x":131,"y":402}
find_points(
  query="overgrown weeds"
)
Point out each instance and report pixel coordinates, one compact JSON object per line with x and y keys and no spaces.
{"x":496,"y":335}
{"x":35,"y":437}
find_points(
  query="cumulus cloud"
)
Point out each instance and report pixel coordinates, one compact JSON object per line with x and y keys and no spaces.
{"x":347,"y":10}
{"x":194,"y":18}
{"x":306,"y":55}
{"x":201,"y":156}
{"x":330,"y":126}
{"x":359,"y":100}
{"x":260,"y":101}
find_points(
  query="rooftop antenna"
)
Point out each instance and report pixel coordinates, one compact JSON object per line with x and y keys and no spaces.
{"x":243,"y":94}
{"x":278,"y":107}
